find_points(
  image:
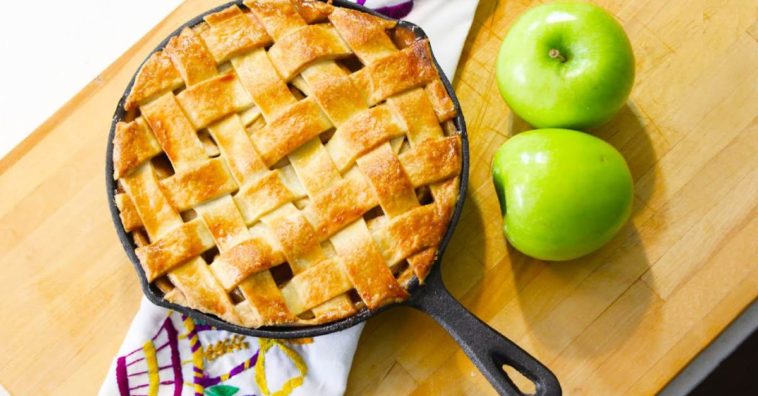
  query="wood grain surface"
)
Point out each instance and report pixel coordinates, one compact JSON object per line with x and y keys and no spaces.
{"x":625,"y":319}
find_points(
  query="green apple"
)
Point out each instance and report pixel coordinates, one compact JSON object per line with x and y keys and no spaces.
{"x":563,"y":193}
{"x":565,"y":65}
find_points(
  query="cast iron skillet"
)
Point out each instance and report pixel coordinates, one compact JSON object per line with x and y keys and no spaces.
{"x":486,"y":348}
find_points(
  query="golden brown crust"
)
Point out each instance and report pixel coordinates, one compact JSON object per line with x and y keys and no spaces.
{"x":240,"y":261}
{"x":179,"y":245}
{"x":279,"y":17}
{"x":315,"y":168}
{"x":418,"y":114}
{"x":133,"y":144}
{"x":258,"y":76}
{"x":362,"y":133}
{"x":224,"y":222}
{"x":365,"y":266}
{"x":264,"y":296}
{"x":297,"y":147}
{"x":443,"y":105}
{"x":312,"y":11}
{"x":262,"y":196}
{"x":315,"y":286}
{"x":212,"y":99}
{"x":342,"y":204}
{"x":445,"y":197}
{"x":334,"y":91}
{"x":192,"y":187}
{"x":156,"y":76}
{"x":291,"y":129}
{"x":311,"y":43}
{"x":237,"y":149}
{"x":128,"y":214}
{"x":408,"y":68}
{"x":433,"y":161}
{"x":297,"y":238}
{"x":410,"y":233}
{"x":157,"y":215}
{"x":391,"y":185}
{"x":201,"y":290}
{"x":190,"y":57}
{"x":231,"y":32}
{"x":174,"y":132}
{"x":365,"y":34}
{"x":421,"y":262}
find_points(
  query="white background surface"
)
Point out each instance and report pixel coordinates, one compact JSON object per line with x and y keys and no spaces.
{"x":52,"y":49}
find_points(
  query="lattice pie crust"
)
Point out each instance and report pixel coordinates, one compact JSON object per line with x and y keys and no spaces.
{"x":287,"y":162}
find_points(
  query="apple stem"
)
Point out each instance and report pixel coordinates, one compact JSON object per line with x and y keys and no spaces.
{"x":555,"y":54}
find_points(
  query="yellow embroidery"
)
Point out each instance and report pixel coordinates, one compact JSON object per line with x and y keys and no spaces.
{"x":152,"y":367}
{"x":260,"y":368}
{"x":235,"y":343}
{"x":197,"y":355}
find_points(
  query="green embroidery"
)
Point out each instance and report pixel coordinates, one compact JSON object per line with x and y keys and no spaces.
{"x":221,"y":390}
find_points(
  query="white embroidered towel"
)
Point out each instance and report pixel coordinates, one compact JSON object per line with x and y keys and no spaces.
{"x":165,"y":353}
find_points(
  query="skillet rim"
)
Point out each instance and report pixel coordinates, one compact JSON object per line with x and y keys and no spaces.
{"x":282,"y":332}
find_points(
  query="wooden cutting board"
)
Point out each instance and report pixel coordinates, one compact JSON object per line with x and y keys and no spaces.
{"x":625,"y":319}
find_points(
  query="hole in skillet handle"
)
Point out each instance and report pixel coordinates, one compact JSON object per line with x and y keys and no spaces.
{"x":155,"y":296}
{"x":525,"y":385}
{"x":487,"y":349}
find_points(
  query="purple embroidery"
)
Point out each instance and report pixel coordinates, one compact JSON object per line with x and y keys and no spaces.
{"x":206,"y":381}
{"x":122,"y":375}
{"x":135,"y":361}
{"x":121,"y":378}
{"x":201,"y":378}
{"x":202,"y":327}
{"x":238,"y":369}
{"x":191,"y":335}
{"x":396,"y":11}
{"x":169,"y":382}
{"x":176,"y":363}
{"x":145,"y":371}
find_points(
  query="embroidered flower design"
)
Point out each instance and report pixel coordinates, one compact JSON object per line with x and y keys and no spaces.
{"x":179,"y":361}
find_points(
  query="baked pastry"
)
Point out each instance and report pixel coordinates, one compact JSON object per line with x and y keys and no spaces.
{"x":287,"y":163}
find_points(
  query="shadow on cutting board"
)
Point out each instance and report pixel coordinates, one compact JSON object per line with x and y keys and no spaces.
{"x":590,"y":306}
{"x":402,"y":344}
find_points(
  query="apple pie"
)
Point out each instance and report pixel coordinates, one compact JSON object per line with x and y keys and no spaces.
{"x":287,"y":163}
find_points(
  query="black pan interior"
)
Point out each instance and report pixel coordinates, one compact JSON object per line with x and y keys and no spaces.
{"x":155,"y":295}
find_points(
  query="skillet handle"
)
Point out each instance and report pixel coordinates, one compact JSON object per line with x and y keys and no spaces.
{"x":486,"y":348}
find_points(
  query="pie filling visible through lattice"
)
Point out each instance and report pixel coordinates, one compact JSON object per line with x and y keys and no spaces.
{"x":287,"y":163}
